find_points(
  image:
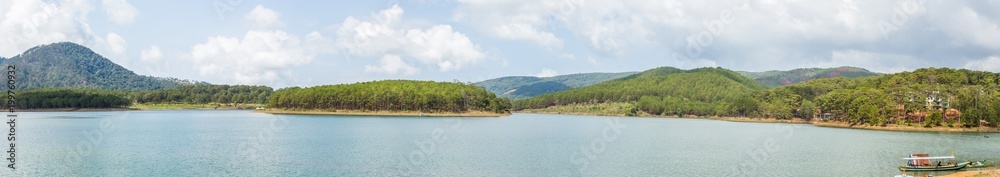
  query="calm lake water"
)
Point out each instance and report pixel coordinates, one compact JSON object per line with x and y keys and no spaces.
{"x":244,"y":143}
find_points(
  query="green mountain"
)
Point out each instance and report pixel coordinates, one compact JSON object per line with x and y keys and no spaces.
{"x":521,"y":87}
{"x":69,"y":65}
{"x":703,"y":89}
{"x":782,"y":78}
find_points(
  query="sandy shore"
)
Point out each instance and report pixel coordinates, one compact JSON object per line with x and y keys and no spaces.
{"x":977,"y":173}
{"x":893,"y":127}
{"x":769,"y":120}
{"x":383,"y":113}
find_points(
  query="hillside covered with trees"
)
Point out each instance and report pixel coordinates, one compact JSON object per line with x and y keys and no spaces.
{"x":926,"y":97}
{"x":521,"y":87}
{"x":70,"y":65}
{"x":703,"y":91}
{"x":391,"y":95}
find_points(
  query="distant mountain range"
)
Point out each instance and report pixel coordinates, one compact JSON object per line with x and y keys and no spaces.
{"x":70,"y":65}
{"x":520,"y":87}
{"x":782,"y":78}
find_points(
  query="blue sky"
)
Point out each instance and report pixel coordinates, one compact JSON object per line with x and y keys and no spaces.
{"x":306,"y":43}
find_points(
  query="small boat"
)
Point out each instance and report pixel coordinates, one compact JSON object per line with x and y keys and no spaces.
{"x":922,"y":162}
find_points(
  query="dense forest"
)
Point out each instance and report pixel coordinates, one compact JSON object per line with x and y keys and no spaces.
{"x":391,"y":95}
{"x":703,"y":91}
{"x":69,"y":65}
{"x":521,"y":87}
{"x":926,"y":97}
{"x":202,"y":93}
{"x":95,"y":98}
{"x":70,"y":98}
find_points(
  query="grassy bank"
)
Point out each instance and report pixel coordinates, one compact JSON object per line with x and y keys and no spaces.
{"x":601,"y":109}
{"x":382,"y":113}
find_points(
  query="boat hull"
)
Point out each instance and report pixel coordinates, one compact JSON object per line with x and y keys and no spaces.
{"x":942,"y":168}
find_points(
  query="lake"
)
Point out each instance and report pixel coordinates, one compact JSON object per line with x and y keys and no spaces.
{"x":245,"y":143}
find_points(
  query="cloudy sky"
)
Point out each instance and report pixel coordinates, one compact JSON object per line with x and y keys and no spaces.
{"x":306,"y":43}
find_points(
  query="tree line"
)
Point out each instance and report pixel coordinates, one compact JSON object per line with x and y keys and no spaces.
{"x":96,"y":98}
{"x":69,"y":98}
{"x":391,"y":95}
{"x":203,"y":93}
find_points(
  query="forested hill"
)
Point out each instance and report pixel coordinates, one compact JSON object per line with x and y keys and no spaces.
{"x":782,"y":78}
{"x":391,"y":95}
{"x":520,"y":87}
{"x":702,"y":86}
{"x":70,"y":65}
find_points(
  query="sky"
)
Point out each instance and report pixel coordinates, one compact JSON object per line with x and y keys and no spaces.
{"x":308,"y":43}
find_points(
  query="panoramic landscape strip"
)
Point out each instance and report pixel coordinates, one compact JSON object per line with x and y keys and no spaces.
{"x":927,"y":99}
{"x":903,"y":88}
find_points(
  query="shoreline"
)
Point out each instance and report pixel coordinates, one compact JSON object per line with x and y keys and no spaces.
{"x":976,"y":173}
{"x":150,"y":107}
{"x":74,"y":110}
{"x":891,"y":127}
{"x":382,"y":113}
{"x":894,"y":127}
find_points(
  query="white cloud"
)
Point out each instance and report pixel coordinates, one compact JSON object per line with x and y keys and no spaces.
{"x":968,"y":25}
{"x":392,"y":64}
{"x":382,"y":35}
{"x":607,"y":26}
{"x":547,"y":73}
{"x":120,"y":11}
{"x":117,"y":43}
{"x":526,"y":32}
{"x":567,"y":56}
{"x":29,"y":23}
{"x":262,"y":18}
{"x":761,"y":35}
{"x":257,"y":58}
{"x":592,"y":61}
{"x":260,"y":56}
{"x":991,"y":64}
{"x":151,"y":55}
